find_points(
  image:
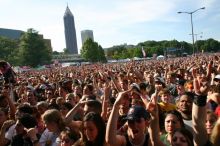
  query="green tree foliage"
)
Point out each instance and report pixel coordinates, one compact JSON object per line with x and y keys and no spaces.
{"x":33,"y":50}
{"x":8,"y":49}
{"x":92,"y":52}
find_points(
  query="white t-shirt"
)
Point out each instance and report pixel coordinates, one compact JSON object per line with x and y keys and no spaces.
{"x":49,"y":138}
{"x":11,"y":132}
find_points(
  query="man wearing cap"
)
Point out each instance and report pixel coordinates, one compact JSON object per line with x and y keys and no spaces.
{"x":137,"y":122}
{"x":217,"y":79}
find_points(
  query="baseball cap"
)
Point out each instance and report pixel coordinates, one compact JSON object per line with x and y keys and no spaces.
{"x":137,"y":112}
{"x":180,"y":82}
{"x":217,"y":77}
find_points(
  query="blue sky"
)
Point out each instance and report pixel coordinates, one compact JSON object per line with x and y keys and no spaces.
{"x":114,"y":22}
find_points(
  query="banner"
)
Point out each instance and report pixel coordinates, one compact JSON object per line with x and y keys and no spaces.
{"x":143,"y":52}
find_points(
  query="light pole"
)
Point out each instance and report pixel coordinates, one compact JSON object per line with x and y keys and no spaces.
{"x":196,"y":34}
{"x":192,"y":24}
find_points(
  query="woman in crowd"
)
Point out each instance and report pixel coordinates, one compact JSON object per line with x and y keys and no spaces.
{"x":93,"y":133}
{"x":173,"y":121}
{"x":182,"y":137}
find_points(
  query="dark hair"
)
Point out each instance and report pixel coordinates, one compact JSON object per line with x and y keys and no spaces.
{"x":25,"y":108}
{"x":100,"y":125}
{"x":28,"y":121}
{"x":67,"y":105}
{"x":177,"y":114}
{"x":95,"y":105}
{"x":187,"y":134}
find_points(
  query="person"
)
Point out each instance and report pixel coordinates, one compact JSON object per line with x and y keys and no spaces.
{"x":137,"y":120}
{"x":173,"y":121}
{"x":211,"y":119}
{"x":94,"y":130}
{"x":184,"y":106}
{"x":54,"y":125}
{"x":182,"y":137}
{"x":26,"y":121}
{"x":68,"y":137}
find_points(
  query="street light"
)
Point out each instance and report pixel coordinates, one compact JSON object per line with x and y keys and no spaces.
{"x":196,"y":34}
{"x":192,"y":23}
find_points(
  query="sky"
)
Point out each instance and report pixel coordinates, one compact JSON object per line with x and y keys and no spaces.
{"x":114,"y":22}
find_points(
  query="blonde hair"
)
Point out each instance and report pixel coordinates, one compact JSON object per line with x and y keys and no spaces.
{"x":216,"y":134}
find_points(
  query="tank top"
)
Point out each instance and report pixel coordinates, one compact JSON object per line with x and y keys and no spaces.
{"x":145,"y":142}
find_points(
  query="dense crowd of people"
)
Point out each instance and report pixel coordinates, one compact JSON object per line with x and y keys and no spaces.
{"x":172,"y":102}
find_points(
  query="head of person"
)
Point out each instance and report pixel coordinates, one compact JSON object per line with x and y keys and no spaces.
{"x":72,"y":99}
{"x":137,"y":119}
{"x":165,"y":95}
{"x":184,"y":103}
{"x":173,"y":121}
{"x":65,"y":108}
{"x":42,"y":106}
{"x":148,"y":77}
{"x":211,"y":119}
{"x":180,"y":86}
{"x":94,"y":129}
{"x":88,"y":89}
{"x":53,"y":120}
{"x":92,"y":106}
{"x":189,"y":86}
{"x":159,"y":83}
{"x":124,"y":84}
{"x":171,"y":77}
{"x":25,"y":121}
{"x":217,"y":79}
{"x":32,"y":99}
{"x":22,"y":109}
{"x":182,"y":137}
{"x":68,"y":137}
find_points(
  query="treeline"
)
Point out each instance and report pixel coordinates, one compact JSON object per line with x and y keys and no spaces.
{"x":158,"y":47}
{"x":29,"y":50}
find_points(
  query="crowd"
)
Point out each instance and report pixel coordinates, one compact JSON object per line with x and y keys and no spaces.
{"x":172,"y":102}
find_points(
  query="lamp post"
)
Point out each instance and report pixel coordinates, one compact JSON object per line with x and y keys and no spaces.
{"x":192,"y":24}
{"x":196,"y":34}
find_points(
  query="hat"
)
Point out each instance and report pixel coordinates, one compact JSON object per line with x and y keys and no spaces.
{"x":137,"y":112}
{"x":180,"y":82}
{"x":217,"y":77}
{"x":135,"y":86}
{"x":158,"y":79}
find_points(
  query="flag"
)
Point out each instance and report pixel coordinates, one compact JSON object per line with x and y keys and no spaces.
{"x":143,"y":52}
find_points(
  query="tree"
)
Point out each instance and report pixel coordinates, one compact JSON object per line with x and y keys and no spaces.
{"x":8,"y":49}
{"x":92,"y":52}
{"x":65,"y":51}
{"x":33,"y":50}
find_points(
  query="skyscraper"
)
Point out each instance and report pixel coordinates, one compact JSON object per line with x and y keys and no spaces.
{"x":70,"y":32}
{"x":86,"y":34}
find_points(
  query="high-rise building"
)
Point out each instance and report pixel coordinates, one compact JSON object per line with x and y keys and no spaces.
{"x":70,"y":32}
{"x":86,"y":34}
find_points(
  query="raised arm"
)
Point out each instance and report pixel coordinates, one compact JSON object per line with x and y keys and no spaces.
{"x":199,"y":111}
{"x":154,"y":129}
{"x":111,"y":130}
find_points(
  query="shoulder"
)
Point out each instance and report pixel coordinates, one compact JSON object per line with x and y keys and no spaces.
{"x":121,"y":140}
